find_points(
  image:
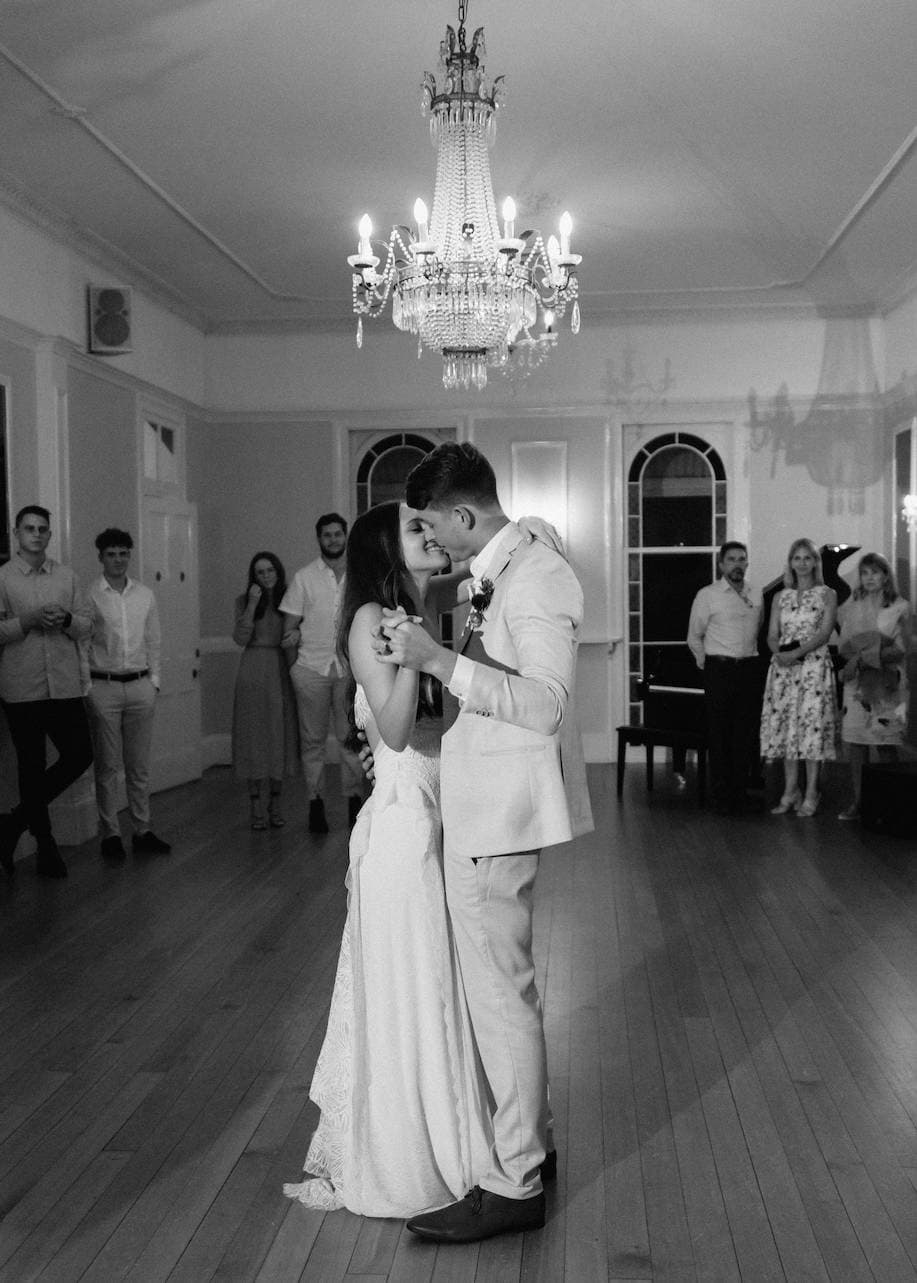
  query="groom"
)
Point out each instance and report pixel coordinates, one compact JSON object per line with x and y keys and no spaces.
{"x":503,"y":799}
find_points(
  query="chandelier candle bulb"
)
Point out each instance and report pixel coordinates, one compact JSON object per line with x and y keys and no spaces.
{"x":365,"y":228}
{"x":566,"y":227}
{"x":421,"y":218}
{"x":509,"y":219}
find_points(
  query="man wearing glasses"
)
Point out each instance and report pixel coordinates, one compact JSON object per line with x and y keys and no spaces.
{"x":43,"y":616}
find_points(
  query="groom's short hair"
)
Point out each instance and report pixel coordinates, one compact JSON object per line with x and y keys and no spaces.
{"x":455,"y":472}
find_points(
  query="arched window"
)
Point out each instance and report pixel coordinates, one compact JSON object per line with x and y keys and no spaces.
{"x":676,"y":520}
{"x":384,"y":468}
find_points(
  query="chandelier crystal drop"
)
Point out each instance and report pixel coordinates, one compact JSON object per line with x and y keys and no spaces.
{"x":457,"y":283}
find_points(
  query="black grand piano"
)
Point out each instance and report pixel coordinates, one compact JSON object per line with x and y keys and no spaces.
{"x":671,"y":687}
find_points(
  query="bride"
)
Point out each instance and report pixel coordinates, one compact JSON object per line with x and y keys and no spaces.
{"x":404,"y":1119}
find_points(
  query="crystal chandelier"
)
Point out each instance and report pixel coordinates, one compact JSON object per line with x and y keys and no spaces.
{"x":455,"y":282}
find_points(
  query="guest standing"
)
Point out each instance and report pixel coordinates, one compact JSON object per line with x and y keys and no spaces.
{"x":799,"y":717}
{"x":43,"y":617}
{"x":264,"y":737}
{"x":320,"y":676}
{"x":124,"y":669}
{"x":723,"y":637}
{"x":875,"y":632}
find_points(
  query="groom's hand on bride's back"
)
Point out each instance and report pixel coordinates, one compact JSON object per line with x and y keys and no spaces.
{"x":367,"y":761}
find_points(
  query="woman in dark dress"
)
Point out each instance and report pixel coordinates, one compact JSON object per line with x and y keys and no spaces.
{"x":264,"y":728}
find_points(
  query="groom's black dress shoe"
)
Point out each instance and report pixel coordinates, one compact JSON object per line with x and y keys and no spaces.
{"x":480,"y":1214}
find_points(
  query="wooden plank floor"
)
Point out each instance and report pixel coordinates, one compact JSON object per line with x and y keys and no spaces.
{"x":731,"y":1008}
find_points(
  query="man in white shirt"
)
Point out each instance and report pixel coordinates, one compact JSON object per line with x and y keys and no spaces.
{"x":723,"y":637}
{"x":319,"y":675}
{"x":124,"y":649}
{"x":44,"y":616}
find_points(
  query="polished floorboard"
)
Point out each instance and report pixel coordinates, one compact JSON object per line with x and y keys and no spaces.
{"x":731,"y":1010}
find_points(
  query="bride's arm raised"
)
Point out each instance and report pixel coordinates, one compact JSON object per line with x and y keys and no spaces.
{"x":391,"y":691}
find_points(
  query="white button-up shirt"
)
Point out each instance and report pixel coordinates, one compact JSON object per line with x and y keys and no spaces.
{"x":39,"y":664}
{"x":313,"y":598}
{"x":125,"y":629}
{"x":725,"y":622}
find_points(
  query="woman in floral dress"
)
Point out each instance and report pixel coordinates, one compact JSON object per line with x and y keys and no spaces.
{"x":799,"y":715}
{"x":875,"y":634}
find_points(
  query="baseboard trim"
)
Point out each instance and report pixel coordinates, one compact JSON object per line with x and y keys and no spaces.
{"x":216,"y":750}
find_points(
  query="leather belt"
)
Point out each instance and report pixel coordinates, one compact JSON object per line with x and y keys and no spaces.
{"x":117,"y":677}
{"x":730,"y":659}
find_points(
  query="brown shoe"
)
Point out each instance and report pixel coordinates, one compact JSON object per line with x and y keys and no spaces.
{"x":480,"y":1214}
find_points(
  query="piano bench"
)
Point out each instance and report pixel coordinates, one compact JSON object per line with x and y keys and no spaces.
{"x":651,"y":737}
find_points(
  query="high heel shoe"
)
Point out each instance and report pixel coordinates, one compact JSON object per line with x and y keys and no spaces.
{"x":789,"y":802}
{"x":809,"y":807}
{"x":851,"y":812}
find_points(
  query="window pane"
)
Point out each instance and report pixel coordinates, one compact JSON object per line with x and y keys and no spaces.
{"x":670,"y":582}
{"x":390,"y":473}
{"x":677,"y":499}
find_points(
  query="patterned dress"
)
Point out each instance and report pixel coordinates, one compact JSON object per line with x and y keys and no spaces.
{"x":876,"y":699}
{"x":799,"y":715}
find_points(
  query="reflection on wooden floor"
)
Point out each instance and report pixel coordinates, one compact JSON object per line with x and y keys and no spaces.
{"x":732,"y":1025}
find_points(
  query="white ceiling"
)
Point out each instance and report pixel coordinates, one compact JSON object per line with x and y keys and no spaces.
{"x":713,"y":153}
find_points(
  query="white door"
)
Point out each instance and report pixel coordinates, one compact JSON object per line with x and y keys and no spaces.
{"x":169,"y":567}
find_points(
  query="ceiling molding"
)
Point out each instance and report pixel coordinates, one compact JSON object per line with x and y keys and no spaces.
{"x":89,"y":245}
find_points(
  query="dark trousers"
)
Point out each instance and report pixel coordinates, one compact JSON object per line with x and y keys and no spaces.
{"x":733,"y":703}
{"x":32,"y":723}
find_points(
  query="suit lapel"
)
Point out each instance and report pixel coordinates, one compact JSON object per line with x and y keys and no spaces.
{"x":494,"y":571}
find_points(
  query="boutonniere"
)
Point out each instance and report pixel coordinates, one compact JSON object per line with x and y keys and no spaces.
{"x":481,"y":592}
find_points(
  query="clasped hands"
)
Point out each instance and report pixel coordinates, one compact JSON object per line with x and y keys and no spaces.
{"x":401,"y":639}
{"x":49,"y":618}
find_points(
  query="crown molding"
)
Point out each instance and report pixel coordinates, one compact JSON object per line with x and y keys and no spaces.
{"x":87,"y":244}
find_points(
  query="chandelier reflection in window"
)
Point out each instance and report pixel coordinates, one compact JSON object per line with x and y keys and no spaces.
{"x":841,"y":438}
{"x":456,"y":283}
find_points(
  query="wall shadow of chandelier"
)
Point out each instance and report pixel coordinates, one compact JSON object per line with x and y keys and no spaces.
{"x":841,"y":440}
{"x":454,"y":281}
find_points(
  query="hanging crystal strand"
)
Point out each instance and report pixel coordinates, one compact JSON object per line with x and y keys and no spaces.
{"x":574,"y":317}
{"x":359,"y":331}
{"x":419,"y":348}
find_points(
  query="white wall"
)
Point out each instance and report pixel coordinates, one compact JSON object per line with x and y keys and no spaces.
{"x":44,"y":289}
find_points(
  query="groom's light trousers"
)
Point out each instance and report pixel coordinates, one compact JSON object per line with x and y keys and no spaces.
{"x":490,"y":903}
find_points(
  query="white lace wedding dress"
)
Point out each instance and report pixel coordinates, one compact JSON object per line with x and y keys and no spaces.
{"x":404,"y":1126}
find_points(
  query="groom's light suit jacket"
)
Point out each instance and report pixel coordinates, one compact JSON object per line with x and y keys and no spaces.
{"x":512,"y":773}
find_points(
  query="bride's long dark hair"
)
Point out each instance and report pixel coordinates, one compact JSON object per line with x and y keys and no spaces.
{"x":376,"y":572}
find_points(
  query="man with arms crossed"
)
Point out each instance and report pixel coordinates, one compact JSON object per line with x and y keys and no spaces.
{"x":43,"y":615}
{"x":723,"y":637}
{"x":503,"y":799}
{"x":124,"y":667}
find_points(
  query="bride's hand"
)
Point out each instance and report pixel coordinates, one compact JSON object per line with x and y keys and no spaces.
{"x":408,"y":644}
{"x":537,"y":528}
{"x":380,"y":636}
